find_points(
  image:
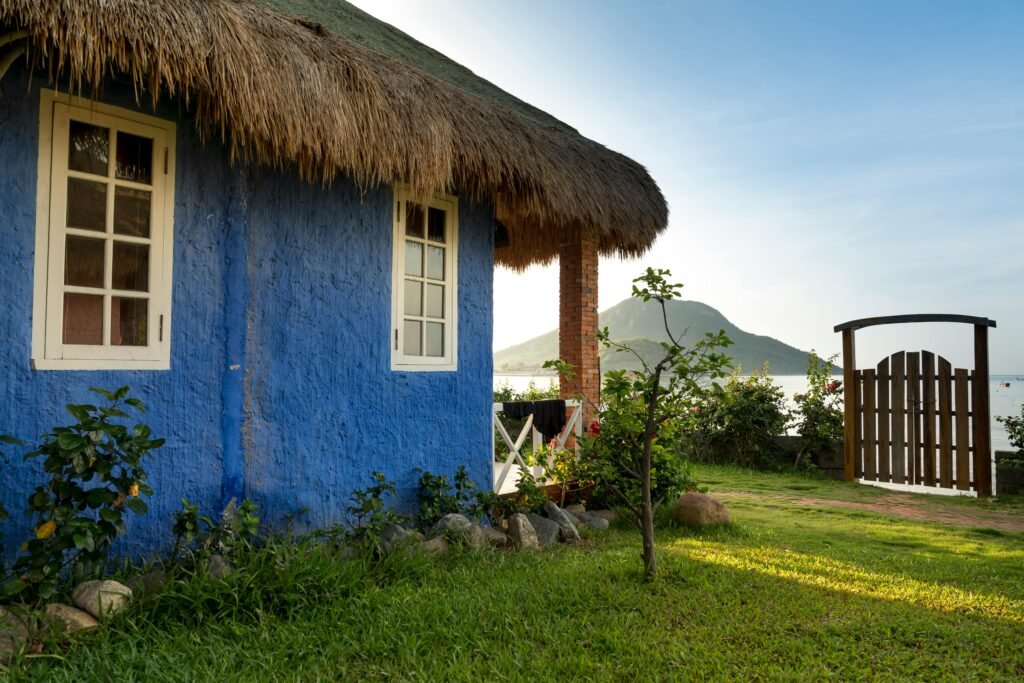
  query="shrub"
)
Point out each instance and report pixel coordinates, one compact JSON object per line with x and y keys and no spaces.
{"x":1014,"y":427}
{"x":369,"y":514}
{"x":819,"y":410}
{"x":506,"y":393}
{"x":437,"y":497}
{"x":95,"y":475}
{"x":737,"y":423}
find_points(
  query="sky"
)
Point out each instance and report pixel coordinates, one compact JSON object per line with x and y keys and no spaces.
{"x":822,"y":161}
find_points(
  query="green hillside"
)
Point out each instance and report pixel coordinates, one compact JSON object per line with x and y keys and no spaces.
{"x":642,"y":325}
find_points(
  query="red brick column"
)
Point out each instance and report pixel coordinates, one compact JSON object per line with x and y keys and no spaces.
{"x":577,"y":327}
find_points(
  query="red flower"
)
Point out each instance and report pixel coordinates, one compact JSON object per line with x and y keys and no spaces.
{"x":595,"y":428}
{"x":695,"y":409}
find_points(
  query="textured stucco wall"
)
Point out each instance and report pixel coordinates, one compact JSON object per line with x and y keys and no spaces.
{"x":280,"y":387}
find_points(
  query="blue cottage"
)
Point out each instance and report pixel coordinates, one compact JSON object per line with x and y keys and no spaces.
{"x":277,"y":221}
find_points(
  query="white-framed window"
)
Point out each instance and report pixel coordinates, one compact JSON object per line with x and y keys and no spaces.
{"x":424,"y":289}
{"x":104,"y":237}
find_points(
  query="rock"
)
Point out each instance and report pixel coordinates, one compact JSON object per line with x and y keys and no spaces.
{"x":593,"y":520}
{"x":392,"y":536}
{"x":69,"y":619}
{"x":474,"y":537}
{"x":574,"y":509}
{"x":547,"y":531}
{"x":218,"y":568}
{"x":13,"y":633}
{"x":494,"y":537}
{"x":521,"y":534}
{"x":436,"y":546}
{"x":450,"y":524}
{"x":699,"y":510}
{"x":571,"y":517}
{"x":150,"y":583}
{"x":610,"y":515}
{"x":566,"y":529}
{"x":102,"y":598}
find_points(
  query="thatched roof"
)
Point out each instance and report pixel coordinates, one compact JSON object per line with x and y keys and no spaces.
{"x":322,"y":87}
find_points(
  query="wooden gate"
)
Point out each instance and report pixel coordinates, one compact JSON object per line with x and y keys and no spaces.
{"x":914,"y":419}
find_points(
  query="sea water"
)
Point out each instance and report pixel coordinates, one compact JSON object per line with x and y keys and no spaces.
{"x":1006,"y":401}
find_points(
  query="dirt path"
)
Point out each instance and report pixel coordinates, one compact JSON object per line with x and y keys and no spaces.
{"x":901,"y":505}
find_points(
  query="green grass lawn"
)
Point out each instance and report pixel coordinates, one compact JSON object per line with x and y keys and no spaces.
{"x":794,"y":591}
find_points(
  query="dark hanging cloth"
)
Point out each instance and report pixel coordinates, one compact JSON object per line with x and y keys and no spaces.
{"x":548,"y":416}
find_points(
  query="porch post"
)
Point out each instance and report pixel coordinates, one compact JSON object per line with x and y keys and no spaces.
{"x":577,"y":326}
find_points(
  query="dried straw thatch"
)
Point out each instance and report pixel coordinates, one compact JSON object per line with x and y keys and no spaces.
{"x":319,"y":86}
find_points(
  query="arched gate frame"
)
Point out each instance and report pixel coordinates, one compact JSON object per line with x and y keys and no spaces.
{"x":913,"y":419}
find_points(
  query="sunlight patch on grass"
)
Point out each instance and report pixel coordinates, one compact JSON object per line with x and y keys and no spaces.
{"x":822,"y":572}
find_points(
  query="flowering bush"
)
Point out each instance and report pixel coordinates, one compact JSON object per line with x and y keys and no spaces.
{"x":739,"y":421}
{"x":95,"y":476}
{"x":820,"y":409}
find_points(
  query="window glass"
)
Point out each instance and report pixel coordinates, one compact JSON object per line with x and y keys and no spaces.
{"x":88,"y":148}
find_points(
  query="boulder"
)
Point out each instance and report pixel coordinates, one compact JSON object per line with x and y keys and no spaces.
{"x":449,"y":525}
{"x":494,"y":537}
{"x":521,"y":534}
{"x":610,"y":515}
{"x":69,"y":619}
{"x":566,"y":529}
{"x":474,"y":537}
{"x":102,"y":598}
{"x":698,"y":510}
{"x":13,"y":633}
{"x":571,"y":517}
{"x":574,"y":509}
{"x":150,"y":583}
{"x":218,"y":568}
{"x":593,"y":520}
{"x":547,"y":530}
{"x":436,"y":546}
{"x":392,"y":537}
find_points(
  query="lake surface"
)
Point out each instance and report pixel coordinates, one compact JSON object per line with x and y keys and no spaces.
{"x":1006,"y":401}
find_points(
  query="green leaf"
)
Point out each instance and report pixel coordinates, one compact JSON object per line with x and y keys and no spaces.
{"x":135,"y":403}
{"x":110,"y":515}
{"x":102,"y":392}
{"x":137,"y":506}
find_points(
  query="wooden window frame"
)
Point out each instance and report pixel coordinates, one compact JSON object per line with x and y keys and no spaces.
{"x":48,"y":350}
{"x":399,"y":360}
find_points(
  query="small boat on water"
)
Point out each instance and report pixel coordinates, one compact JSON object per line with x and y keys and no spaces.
{"x":1005,"y":385}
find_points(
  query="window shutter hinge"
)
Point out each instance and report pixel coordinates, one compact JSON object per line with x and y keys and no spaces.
{"x":160,"y":335}
{"x":396,"y":339}
{"x":167,"y":154}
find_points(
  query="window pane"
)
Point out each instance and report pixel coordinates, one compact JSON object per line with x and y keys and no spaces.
{"x":413,"y":297}
{"x":134,"y":158}
{"x":88,"y":148}
{"x":412,"y":339}
{"x":83,"y":262}
{"x":129,"y":321}
{"x":435,"y":301}
{"x":413,"y":219}
{"x":83,"y":319}
{"x":413,"y":258}
{"x":87,"y":205}
{"x":435,"y":224}
{"x":435,"y":263}
{"x":131,"y":212}
{"x":435,"y":339}
{"x":131,"y":267}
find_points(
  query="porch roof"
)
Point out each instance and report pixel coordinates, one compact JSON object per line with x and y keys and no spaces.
{"x":324,"y":88}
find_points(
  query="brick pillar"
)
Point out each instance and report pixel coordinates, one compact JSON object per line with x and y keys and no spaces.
{"x":577,"y":327}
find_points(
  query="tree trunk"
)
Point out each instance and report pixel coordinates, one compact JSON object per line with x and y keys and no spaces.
{"x":647,"y":505}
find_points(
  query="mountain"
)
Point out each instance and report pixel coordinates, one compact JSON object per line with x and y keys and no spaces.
{"x":641,"y":325}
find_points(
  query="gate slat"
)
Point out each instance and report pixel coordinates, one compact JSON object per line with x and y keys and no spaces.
{"x":884,"y":456}
{"x":945,"y":423}
{"x":928,"y":415}
{"x":870,"y":445}
{"x":963,"y":436}
{"x":913,"y":418}
{"x":858,"y":429}
{"x":899,"y":418}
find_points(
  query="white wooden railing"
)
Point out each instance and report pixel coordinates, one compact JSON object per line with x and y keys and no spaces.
{"x":574,"y":425}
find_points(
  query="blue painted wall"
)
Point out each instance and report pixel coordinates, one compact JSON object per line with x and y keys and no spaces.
{"x":280,"y":387}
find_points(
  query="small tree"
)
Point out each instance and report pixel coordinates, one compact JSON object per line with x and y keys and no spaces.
{"x":635,"y":451}
{"x":819,"y":410}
